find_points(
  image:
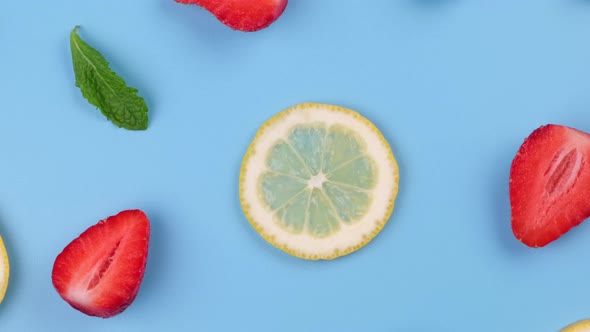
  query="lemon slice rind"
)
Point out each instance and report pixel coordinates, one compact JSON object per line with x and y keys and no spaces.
{"x":350,"y":237}
{"x":4,"y":270}
{"x":579,"y":326}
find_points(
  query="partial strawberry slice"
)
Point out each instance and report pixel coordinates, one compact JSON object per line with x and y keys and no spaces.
{"x":244,"y":15}
{"x":100,"y":272}
{"x":550,"y":184}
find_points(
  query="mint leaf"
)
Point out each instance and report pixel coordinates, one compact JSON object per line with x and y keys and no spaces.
{"x":104,"y":89}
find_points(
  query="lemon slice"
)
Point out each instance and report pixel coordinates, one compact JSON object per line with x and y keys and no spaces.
{"x":4,"y":270}
{"x":580,"y":326}
{"x":318,"y":181}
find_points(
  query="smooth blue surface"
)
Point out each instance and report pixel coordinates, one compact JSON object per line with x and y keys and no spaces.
{"x":454,"y":85}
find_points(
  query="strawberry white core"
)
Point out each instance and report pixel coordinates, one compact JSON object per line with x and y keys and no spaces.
{"x":563,"y":171}
{"x":79,"y":296}
{"x":81,"y":293}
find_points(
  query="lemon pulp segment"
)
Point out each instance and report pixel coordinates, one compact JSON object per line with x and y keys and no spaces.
{"x":318,"y":181}
{"x":317,"y":178}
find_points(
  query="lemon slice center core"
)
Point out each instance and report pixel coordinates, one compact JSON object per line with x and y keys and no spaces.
{"x":316,"y":181}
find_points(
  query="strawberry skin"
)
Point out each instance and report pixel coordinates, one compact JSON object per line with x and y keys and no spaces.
{"x":550,"y":184}
{"x":243,"y":15}
{"x":100,"y":272}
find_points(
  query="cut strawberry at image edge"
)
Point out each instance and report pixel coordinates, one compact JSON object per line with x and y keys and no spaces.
{"x":243,"y":15}
{"x":550,"y":184}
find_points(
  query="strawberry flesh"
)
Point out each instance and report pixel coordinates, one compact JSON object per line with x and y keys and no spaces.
{"x":243,"y":15}
{"x":550,"y":184}
{"x":100,"y":272}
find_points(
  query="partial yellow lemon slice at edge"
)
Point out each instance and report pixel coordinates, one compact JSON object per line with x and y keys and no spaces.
{"x":580,"y":326}
{"x":318,"y":181}
{"x":4,"y":270}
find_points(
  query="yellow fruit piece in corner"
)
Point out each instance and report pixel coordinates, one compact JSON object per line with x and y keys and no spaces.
{"x":4,"y":270}
{"x":580,"y":326}
{"x":318,"y":181}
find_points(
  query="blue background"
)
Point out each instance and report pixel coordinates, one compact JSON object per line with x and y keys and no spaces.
{"x":455,"y":86}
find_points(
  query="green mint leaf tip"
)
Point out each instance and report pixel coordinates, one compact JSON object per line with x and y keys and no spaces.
{"x":104,"y":89}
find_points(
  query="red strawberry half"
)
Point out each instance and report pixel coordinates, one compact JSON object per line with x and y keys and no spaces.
{"x":244,"y":15}
{"x":550,"y":184}
{"x":99,"y":273}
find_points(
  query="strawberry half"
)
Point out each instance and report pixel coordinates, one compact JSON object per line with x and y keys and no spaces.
{"x":100,"y":272}
{"x":550,"y":184}
{"x":244,"y":15}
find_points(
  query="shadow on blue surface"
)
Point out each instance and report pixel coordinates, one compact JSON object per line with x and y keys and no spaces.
{"x":15,"y":265}
{"x":430,"y":4}
{"x":423,"y":328}
{"x":205,"y":28}
{"x":157,"y":255}
{"x":501,"y":206}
